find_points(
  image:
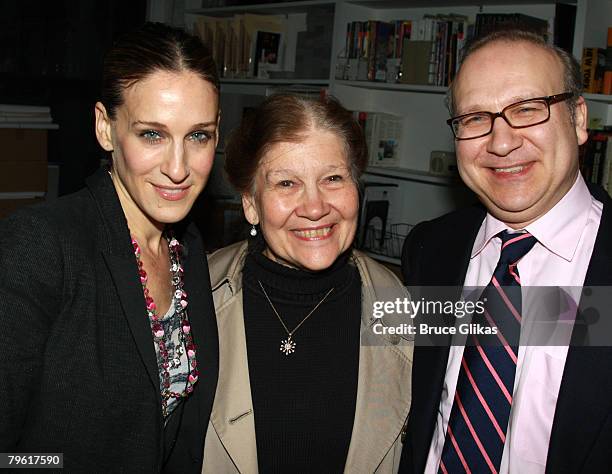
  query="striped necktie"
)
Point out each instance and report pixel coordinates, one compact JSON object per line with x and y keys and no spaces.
{"x":479,"y":418}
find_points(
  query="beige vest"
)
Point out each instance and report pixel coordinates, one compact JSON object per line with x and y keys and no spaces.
{"x":383,"y":388}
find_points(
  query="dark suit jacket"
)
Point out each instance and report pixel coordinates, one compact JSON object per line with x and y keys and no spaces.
{"x":78,"y":370}
{"x":437,"y":253}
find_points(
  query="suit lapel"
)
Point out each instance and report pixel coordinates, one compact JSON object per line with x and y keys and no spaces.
{"x":585,"y":396}
{"x":127,"y":285}
{"x":232,"y":415}
{"x":115,"y":242}
{"x":444,"y":261}
{"x":382,"y":405}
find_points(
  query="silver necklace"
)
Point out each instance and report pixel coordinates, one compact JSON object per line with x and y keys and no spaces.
{"x":287,"y":346}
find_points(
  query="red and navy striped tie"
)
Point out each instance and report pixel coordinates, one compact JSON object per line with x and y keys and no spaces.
{"x":479,"y":418}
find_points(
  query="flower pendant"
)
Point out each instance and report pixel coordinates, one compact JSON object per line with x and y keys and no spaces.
{"x":287,"y":346}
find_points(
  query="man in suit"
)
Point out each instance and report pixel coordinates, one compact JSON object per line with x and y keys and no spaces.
{"x":542,"y":408}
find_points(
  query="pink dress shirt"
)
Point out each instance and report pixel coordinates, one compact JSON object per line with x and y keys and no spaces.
{"x":566,"y":236}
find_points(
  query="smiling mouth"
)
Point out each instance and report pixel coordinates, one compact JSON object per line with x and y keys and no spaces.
{"x":511,"y":170}
{"x":171,"y":194}
{"x":514,"y":169}
{"x":314,"y":234}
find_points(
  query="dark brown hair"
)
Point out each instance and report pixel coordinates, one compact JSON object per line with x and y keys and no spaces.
{"x":285,"y":118}
{"x":153,"y":47}
{"x":572,"y":79}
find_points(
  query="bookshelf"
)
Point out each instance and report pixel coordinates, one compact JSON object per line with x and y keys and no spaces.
{"x":601,"y":98}
{"x":406,"y":174}
{"x":268,"y":82}
{"x":419,"y":194}
{"x":260,"y":87}
{"x":384,"y":86}
{"x":263,"y":8}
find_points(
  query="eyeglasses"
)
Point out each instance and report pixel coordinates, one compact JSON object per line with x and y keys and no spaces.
{"x":523,"y":114}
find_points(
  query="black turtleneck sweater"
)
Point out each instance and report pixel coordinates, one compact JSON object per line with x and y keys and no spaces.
{"x":304,"y":402}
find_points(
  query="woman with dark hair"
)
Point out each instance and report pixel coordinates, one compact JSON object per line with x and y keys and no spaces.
{"x":108,"y":341}
{"x":306,"y":384}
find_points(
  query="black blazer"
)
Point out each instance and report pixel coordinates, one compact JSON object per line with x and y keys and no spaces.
{"x":78,"y":370}
{"x":581,"y":439}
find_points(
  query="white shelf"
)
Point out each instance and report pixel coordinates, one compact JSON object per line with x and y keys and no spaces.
{"x":283,"y":7}
{"x":412,"y":175}
{"x":395,"y":4}
{"x":273,"y":82}
{"x":30,"y":125}
{"x":606,"y":99}
{"x":386,"y":86}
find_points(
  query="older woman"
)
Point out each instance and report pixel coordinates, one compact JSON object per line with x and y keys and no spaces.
{"x":108,"y":342}
{"x":304,"y":383}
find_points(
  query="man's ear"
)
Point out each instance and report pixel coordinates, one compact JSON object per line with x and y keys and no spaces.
{"x":581,"y":120}
{"x":250,"y":208}
{"x":103,"y":127}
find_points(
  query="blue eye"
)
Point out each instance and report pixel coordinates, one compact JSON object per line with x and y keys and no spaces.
{"x":475,"y":119}
{"x":151,"y":136}
{"x":202,"y":137}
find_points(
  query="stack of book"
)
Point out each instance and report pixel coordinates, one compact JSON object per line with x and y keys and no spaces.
{"x":19,"y":115}
{"x":596,"y":159}
{"x":489,"y":22}
{"x":409,"y":51}
{"x":249,"y":45}
{"x":426,"y":51}
{"x":596,"y":68}
{"x":607,"y":79}
{"x":372,"y":47}
{"x":447,"y":35}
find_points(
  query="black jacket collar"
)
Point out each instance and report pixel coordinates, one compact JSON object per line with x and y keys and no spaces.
{"x":115,"y":243}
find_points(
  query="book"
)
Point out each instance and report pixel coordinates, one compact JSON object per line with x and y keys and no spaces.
{"x":247,"y":45}
{"x":607,"y":77}
{"x":26,"y":118}
{"x":387,"y":134}
{"x":212,"y":32}
{"x":24,"y":109}
{"x":308,"y":92}
{"x":606,"y":166}
{"x":375,"y":50}
{"x":592,"y":69}
{"x":593,"y":158}
{"x":370,"y":49}
{"x":268,"y":52}
{"x":607,"y":83}
{"x":262,"y":28}
{"x":489,"y":22}
{"x":383,"y":49}
{"x":383,"y":135}
{"x":416,"y":56}
{"x":24,"y":114}
{"x":607,"y":180}
{"x":402,"y":31}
